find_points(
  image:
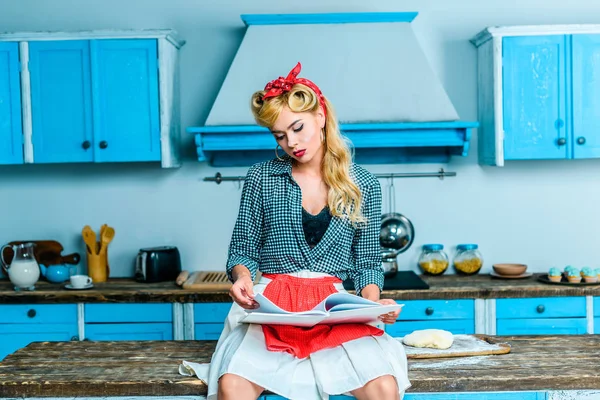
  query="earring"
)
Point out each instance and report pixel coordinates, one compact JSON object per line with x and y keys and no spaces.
{"x":276,"y":153}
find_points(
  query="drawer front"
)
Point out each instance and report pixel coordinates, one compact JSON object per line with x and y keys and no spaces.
{"x":207,"y":331}
{"x":211,"y":312}
{"x":543,"y":307}
{"x":596,"y":306}
{"x":160,"y":331}
{"x":128,"y":313}
{"x":461,"y":326}
{"x":437,"y":309}
{"x":16,"y":336}
{"x":542,"y":326}
{"x":38,"y":314}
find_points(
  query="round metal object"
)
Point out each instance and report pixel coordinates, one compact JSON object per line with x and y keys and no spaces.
{"x":397,"y":233}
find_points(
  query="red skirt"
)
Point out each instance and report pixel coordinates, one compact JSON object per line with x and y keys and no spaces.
{"x":302,"y":294}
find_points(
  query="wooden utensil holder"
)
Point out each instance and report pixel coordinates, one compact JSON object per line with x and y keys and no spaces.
{"x":98,"y":268}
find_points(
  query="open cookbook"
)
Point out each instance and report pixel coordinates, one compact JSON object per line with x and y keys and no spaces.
{"x":337,"y":308}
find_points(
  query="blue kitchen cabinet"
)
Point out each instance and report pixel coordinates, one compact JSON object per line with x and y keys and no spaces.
{"x":209,"y":320}
{"x":11,"y":133}
{"x":117,"y":322}
{"x":538,"y":95}
{"x":534,"y":83}
{"x":449,"y":396}
{"x":541,"y":316}
{"x":61,"y":101}
{"x":456,"y":316}
{"x":23,"y":324}
{"x":586,"y":96}
{"x":126,"y":100}
{"x":95,"y":101}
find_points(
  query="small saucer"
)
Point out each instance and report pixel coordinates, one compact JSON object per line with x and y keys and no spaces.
{"x":68,"y":286}
{"x":523,"y":275}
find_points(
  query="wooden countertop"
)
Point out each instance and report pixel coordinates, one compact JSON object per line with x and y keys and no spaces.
{"x":123,"y":290}
{"x":65,"y":369}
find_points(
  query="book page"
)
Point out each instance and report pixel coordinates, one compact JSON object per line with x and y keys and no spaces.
{"x":266,"y":306}
{"x":346,"y":301}
{"x":360,"y":316}
{"x":306,"y":320}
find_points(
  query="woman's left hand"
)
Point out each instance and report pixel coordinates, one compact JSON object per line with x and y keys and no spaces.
{"x":390,"y":317}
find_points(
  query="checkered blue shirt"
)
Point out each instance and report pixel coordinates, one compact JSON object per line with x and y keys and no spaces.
{"x":268,"y":233}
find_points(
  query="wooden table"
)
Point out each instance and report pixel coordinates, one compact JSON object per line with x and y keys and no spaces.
{"x":107,"y":369}
{"x":125,"y":290}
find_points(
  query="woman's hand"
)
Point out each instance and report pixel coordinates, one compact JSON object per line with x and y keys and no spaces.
{"x":390,"y":317}
{"x":242,"y":293}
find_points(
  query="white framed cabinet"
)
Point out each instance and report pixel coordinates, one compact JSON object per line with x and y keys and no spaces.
{"x":538,"y":93}
{"x":108,"y":96}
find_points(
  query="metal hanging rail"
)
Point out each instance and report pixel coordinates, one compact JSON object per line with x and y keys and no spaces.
{"x":218,"y":178}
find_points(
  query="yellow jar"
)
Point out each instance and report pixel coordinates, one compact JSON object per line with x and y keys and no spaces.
{"x":433,"y":260}
{"x":468,"y":259}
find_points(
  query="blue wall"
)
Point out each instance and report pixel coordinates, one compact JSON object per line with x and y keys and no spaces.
{"x":539,"y":213}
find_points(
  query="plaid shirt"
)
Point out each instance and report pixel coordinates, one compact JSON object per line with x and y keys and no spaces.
{"x":268,"y":233}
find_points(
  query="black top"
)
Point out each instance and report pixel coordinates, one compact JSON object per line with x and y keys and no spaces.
{"x":315,"y":225}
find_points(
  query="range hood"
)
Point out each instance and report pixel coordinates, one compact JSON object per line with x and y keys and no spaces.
{"x":389,"y":102}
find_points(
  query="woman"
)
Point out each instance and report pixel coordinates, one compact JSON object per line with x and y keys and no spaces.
{"x":308,"y":220}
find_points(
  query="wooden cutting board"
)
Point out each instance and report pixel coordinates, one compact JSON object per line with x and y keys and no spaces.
{"x":463,"y":346}
{"x":207,"y":281}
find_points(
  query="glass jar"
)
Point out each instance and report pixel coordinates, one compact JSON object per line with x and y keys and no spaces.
{"x":433,"y":260}
{"x":468,"y":259}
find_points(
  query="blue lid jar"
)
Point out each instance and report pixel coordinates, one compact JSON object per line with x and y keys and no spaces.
{"x":433,"y":260}
{"x":468,"y":259}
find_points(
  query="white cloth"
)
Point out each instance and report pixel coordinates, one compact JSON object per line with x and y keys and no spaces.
{"x":241,"y":350}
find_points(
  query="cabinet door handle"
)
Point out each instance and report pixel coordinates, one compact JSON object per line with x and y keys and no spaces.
{"x":31,"y":313}
{"x":561,"y":141}
{"x":429,"y":311}
{"x":540,"y":309}
{"x":103,"y":144}
{"x":74,"y":338}
{"x":580,"y":140}
{"x":86,"y":145}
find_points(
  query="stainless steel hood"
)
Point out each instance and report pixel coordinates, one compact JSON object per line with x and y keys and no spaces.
{"x":389,"y":101}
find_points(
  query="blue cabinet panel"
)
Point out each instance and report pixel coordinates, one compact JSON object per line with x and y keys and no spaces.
{"x":211,"y":312}
{"x":460,"y":326}
{"x":38,"y":314}
{"x":207,"y":331}
{"x":11,"y":132}
{"x":437,"y":309}
{"x":126,"y":100}
{"x":61,"y":102}
{"x":449,"y":396}
{"x":586,"y":96}
{"x":128,"y":313}
{"x":596,"y":306}
{"x":547,"y":326}
{"x":138,"y":331}
{"x":534,"y":87}
{"x":542,"y":307}
{"x":15,"y":336}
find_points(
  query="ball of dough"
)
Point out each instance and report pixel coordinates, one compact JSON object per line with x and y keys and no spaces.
{"x":431,"y":338}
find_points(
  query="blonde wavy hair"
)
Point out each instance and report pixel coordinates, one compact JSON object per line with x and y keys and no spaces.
{"x":344,"y":197}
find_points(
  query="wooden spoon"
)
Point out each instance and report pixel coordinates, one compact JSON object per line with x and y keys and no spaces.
{"x":89,"y":237}
{"x":107,"y":237}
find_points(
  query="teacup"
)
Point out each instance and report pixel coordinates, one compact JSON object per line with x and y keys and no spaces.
{"x":80,"y":281}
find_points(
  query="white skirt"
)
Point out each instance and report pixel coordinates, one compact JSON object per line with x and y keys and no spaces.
{"x":241,"y":350}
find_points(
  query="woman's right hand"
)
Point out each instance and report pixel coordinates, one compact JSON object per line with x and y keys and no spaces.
{"x":242,"y":293}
